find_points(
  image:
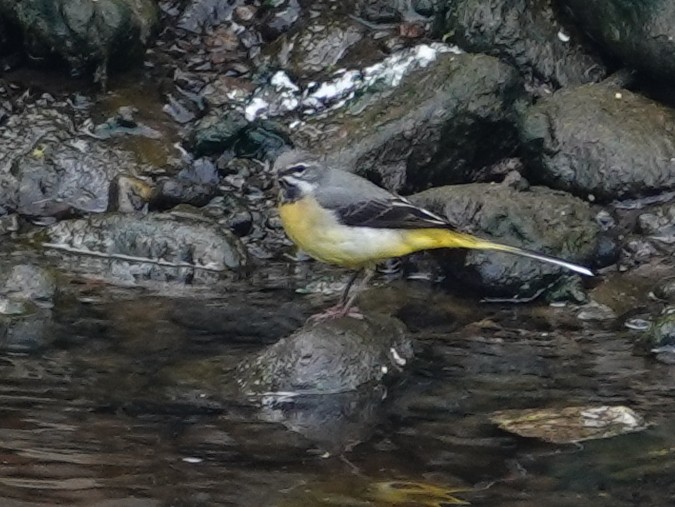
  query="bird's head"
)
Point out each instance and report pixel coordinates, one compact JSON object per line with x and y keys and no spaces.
{"x":298,"y":174}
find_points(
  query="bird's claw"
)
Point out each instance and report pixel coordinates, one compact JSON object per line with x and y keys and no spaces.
{"x":336,"y":312}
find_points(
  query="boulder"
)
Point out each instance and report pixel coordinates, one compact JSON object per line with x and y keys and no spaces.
{"x":640,"y":33}
{"x":440,"y":125}
{"x":328,"y":357}
{"x":601,"y":142}
{"x":547,"y":221}
{"x":47,"y":170}
{"x":82,"y":32}
{"x":526,"y":34}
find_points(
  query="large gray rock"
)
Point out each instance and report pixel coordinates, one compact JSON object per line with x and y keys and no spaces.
{"x":526,"y":34}
{"x":329,"y":357}
{"x":84,"y":32}
{"x":440,"y":125}
{"x":47,"y":170}
{"x":539,"y":219}
{"x":162,"y":246}
{"x":601,"y":141}
{"x":640,"y":32}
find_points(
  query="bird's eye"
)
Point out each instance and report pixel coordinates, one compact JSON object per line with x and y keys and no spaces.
{"x":297,"y":169}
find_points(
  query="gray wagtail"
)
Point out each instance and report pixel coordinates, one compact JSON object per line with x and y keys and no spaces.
{"x":340,"y":218}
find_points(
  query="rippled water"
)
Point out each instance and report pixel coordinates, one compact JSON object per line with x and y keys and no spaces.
{"x":124,"y":400}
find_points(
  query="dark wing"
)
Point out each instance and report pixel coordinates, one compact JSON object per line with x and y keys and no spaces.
{"x":395,"y":213}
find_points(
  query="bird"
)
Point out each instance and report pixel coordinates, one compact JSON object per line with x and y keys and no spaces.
{"x":340,"y":218}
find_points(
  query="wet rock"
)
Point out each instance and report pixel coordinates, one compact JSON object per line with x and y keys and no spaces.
{"x":659,"y":224}
{"x":8,"y":224}
{"x":641,"y":34}
{"x":394,"y":11}
{"x":27,"y":282}
{"x":660,"y":338}
{"x":570,"y":424}
{"x":278,"y":17}
{"x":195,"y":185}
{"x":539,"y":219}
{"x":27,"y":330}
{"x":46,"y":170}
{"x":129,"y":194}
{"x":525,"y":34}
{"x":334,"y":356}
{"x":318,"y":47}
{"x":199,"y":15}
{"x":223,"y":131}
{"x":666,"y":290}
{"x":163,"y":246}
{"x":84,"y":33}
{"x":440,"y":125}
{"x":601,"y":142}
{"x":594,"y":311}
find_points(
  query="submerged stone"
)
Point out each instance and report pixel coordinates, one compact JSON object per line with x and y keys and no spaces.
{"x":570,"y":424}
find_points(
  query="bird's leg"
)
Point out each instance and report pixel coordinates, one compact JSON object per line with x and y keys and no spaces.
{"x":344,"y":299}
{"x":345,"y":307}
{"x":364,"y":283}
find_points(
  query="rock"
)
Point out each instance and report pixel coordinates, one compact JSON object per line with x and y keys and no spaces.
{"x":181,"y":246}
{"x":525,"y":34}
{"x":661,"y":334}
{"x":441,"y":125}
{"x":666,"y":290}
{"x":82,"y":32}
{"x":659,"y":224}
{"x":196,"y":184}
{"x":9,"y":224}
{"x":641,"y":34}
{"x":570,"y":424}
{"x":46,"y":170}
{"x":278,"y":17}
{"x":27,"y":330}
{"x":421,"y":116}
{"x":222,"y":131}
{"x":395,"y":11}
{"x":601,"y":142}
{"x":27,"y":282}
{"x":318,"y":47}
{"x":334,"y":356}
{"x":199,"y":15}
{"x":129,"y":194}
{"x":539,"y":219}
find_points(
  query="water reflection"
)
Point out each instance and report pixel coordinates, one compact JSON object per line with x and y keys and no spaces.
{"x":126,"y":402}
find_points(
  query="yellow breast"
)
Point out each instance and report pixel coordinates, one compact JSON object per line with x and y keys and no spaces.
{"x":319,"y":233}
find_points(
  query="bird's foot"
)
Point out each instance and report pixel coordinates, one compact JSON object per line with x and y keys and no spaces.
{"x":336,"y":312}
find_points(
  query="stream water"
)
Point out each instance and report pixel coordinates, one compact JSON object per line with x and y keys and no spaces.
{"x":122,"y":400}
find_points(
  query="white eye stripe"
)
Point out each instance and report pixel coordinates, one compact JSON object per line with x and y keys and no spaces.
{"x":304,"y":186}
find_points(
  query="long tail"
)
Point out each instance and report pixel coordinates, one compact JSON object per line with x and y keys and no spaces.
{"x":445,"y":238}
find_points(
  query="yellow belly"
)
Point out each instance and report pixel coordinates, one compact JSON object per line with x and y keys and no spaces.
{"x":318,"y":232}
